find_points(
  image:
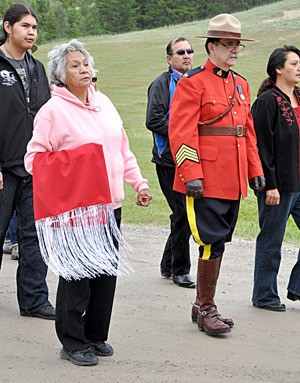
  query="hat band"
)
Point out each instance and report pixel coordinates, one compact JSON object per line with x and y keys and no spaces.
{"x":223,"y":34}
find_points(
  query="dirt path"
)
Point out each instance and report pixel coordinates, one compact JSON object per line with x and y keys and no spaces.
{"x":151,"y":331}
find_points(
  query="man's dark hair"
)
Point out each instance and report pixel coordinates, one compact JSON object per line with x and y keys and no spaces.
{"x":169,"y":47}
{"x":210,"y":40}
{"x":14,"y":14}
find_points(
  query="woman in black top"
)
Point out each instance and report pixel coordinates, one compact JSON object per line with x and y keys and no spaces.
{"x":276,"y":114}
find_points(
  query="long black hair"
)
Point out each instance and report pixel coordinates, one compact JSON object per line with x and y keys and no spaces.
{"x":277,"y":60}
{"x":14,"y":14}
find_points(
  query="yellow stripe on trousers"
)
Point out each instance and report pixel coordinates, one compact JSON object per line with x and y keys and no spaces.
{"x":193,"y":226}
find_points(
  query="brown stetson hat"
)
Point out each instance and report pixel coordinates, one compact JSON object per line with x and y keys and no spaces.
{"x":224,"y":26}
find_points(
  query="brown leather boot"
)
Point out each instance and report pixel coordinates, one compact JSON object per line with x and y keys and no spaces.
{"x":195,"y":309}
{"x":196,"y":304}
{"x":208,"y":318}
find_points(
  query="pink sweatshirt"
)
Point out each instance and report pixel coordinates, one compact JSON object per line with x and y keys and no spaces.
{"x":64,"y":123}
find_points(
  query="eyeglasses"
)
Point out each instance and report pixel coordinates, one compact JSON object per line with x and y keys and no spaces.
{"x":181,"y":52}
{"x":230,"y":46}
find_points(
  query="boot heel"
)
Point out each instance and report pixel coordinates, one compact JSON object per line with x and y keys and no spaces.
{"x":200,"y":327}
{"x":194,"y":312}
{"x":293,"y":297}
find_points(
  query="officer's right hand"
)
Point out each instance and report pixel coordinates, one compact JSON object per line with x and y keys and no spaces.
{"x":194,"y":189}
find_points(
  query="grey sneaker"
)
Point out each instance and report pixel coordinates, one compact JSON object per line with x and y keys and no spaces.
{"x":7,"y":247}
{"x":15,"y":252}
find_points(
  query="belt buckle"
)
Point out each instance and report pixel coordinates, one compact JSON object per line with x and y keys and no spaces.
{"x":239,"y":131}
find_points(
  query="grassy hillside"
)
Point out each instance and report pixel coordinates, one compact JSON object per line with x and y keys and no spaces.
{"x":128,"y":63}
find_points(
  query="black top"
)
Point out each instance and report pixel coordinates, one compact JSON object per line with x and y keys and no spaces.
{"x":157,"y":117}
{"x":17,"y":113}
{"x":277,"y":133}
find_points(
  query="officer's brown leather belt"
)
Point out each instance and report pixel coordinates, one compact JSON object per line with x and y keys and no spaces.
{"x":239,"y":130}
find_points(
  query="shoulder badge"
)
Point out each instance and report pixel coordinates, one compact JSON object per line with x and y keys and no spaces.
{"x":191,"y":72}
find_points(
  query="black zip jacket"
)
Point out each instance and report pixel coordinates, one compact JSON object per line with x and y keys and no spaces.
{"x":16,"y":116}
{"x":157,"y":117}
{"x":277,"y":134}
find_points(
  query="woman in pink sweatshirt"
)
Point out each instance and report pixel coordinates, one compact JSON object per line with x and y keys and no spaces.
{"x":79,"y":117}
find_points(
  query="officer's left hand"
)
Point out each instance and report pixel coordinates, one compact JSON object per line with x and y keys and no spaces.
{"x":257,"y":183}
{"x":194,"y":189}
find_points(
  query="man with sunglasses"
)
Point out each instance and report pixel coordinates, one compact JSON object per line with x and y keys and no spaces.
{"x":213,"y":142}
{"x":175,"y":261}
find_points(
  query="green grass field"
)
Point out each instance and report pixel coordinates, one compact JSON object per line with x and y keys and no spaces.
{"x":128,"y":63}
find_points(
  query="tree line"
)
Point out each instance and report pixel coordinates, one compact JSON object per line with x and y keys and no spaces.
{"x":59,"y":19}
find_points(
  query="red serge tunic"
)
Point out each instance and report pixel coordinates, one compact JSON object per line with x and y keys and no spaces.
{"x":225,"y":163}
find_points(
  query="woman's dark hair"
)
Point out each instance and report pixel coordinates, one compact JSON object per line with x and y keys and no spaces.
{"x":14,"y":14}
{"x":277,"y":60}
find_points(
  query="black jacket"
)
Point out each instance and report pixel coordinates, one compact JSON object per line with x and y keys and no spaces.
{"x":16,"y":122}
{"x":157,"y":117}
{"x":277,"y":134}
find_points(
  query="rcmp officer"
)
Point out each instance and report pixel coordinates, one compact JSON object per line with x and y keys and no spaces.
{"x":213,"y":143}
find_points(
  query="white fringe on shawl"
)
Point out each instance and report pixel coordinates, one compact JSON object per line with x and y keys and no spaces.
{"x":79,"y":243}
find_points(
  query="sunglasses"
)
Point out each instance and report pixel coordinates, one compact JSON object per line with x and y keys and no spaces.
{"x":181,"y":52}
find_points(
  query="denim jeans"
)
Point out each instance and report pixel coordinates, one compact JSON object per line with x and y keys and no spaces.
{"x":16,"y":195}
{"x":272,"y":222}
{"x":11,"y":233}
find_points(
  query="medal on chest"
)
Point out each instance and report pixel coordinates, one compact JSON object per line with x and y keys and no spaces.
{"x":240,"y":90}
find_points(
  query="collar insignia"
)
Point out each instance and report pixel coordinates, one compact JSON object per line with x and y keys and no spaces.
{"x":220,"y":72}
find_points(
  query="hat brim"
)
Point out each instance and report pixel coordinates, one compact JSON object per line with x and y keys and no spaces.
{"x":224,"y":37}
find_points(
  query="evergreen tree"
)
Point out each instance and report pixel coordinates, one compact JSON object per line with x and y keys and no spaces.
{"x":74,"y":21}
{"x":60,"y":13}
{"x":116,"y":15}
{"x":60,"y":19}
{"x":89,"y":19}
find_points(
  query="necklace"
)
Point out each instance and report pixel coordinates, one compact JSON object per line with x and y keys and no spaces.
{"x":19,"y":62}
{"x":22,"y":73}
{"x":11,"y":54}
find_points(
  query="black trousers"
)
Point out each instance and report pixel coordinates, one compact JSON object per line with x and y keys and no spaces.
{"x":212,"y":222}
{"x":84,"y":307}
{"x":32,"y":289}
{"x":176,"y":255}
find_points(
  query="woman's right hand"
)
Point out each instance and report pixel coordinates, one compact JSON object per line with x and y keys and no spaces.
{"x":1,"y":181}
{"x":144,"y":198}
{"x":272,"y":197}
